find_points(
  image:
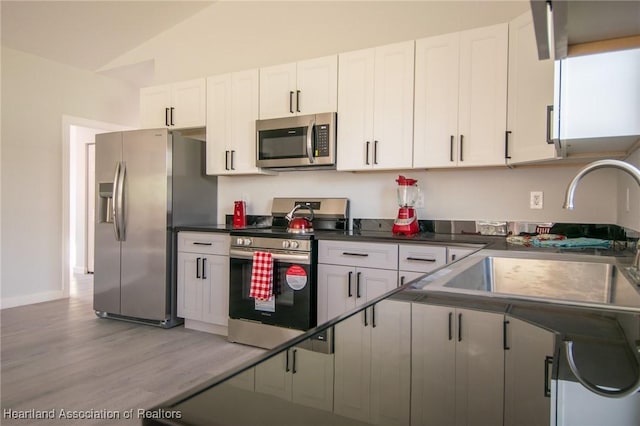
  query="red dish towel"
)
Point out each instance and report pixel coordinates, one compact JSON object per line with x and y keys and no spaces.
{"x":262,"y":276}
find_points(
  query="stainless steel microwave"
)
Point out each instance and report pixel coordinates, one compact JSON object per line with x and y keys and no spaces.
{"x":305,"y":141}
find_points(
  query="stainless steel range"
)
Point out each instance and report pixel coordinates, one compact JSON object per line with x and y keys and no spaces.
{"x":292,"y":308}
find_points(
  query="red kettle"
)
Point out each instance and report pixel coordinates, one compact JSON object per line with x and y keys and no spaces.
{"x":300,"y":225}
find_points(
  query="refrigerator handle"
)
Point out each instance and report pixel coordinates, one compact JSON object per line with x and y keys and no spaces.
{"x":114,"y":207}
{"x":119,"y":202}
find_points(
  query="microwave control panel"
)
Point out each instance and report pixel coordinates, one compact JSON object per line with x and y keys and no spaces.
{"x":322,"y":140}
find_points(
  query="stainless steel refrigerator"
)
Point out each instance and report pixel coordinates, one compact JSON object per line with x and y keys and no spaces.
{"x":147,"y":183}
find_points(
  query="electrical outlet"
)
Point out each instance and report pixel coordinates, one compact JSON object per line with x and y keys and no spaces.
{"x":536,"y":200}
{"x":420,"y":201}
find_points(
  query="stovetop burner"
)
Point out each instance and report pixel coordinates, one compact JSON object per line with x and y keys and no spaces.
{"x":330,"y":214}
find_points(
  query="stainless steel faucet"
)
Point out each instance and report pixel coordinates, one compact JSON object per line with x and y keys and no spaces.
{"x":602,"y":164}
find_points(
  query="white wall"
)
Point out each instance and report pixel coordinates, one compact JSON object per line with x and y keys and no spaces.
{"x":232,"y":36}
{"x":36,"y":94}
{"x":629,"y":206}
{"x":495,"y":194}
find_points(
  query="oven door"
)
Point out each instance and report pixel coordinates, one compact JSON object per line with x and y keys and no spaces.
{"x":294,"y":288}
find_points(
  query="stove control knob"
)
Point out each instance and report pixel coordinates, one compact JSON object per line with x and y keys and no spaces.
{"x":239,"y":241}
{"x":285,"y":244}
{"x":294,"y":244}
{"x":246,"y":242}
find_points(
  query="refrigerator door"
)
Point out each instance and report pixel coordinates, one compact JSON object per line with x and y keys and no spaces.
{"x":106,"y":278}
{"x":146,"y":162}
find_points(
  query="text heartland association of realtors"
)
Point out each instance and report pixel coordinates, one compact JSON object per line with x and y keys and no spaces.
{"x":104,"y":414}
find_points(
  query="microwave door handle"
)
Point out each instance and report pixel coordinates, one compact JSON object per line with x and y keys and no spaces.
{"x":310,"y":140}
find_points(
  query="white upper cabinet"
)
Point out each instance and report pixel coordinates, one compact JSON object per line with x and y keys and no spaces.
{"x":178,"y":105}
{"x":375,"y":108}
{"x":461,"y":98}
{"x":530,"y":97}
{"x":307,"y":87}
{"x":436,"y":103}
{"x":232,"y":111}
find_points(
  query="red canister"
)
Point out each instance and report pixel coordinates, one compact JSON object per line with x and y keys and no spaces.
{"x":239,"y":214}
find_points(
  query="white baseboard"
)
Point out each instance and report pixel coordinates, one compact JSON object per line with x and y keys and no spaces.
{"x":29,"y":299}
{"x":206,"y":327}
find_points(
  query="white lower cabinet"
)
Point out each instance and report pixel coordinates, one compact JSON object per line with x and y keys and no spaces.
{"x":203,"y":280}
{"x":372,"y":364}
{"x":528,"y":360}
{"x":298,"y":375}
{"x":457,"y":366}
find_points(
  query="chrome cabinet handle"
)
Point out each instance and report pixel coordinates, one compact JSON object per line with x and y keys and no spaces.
{"x":549,"y":118}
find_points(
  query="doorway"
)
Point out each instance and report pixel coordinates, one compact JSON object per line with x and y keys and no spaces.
{"x":79,"y":163}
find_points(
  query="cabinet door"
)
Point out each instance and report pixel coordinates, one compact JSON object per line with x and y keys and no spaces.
{"x":215,"y":298}
{"x":189,"y":286}
{"x":189,"y":100}
{"x":433,"y":368}
{"x":530,"y":93}
{"x":436,"y":101}
{"x":393,"y":106}
{"x":273,"y":376}
{"x":355,"y":109}
{"x":353,"y":368}
{"x":455,"y":253}
{"x":154,"y":102}
{"x":317,"y":85}
{"x":312,"y":375}
{"x":244,"y":113}
{"x":483,"y":96}
{"x":527,"y":360}
{"x":479,"y":359}
{"x":406,"y":276}
{"x":219,"y":119}
{"x":277,"y":91}
{"x":336,"y":294}
{"x":390,"y":363}
{"x":371,"y":283}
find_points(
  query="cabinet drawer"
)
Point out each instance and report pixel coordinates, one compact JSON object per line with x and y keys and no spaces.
{"x":203,"y":242}
{"x":421,"y":258}
{"x":369,"y":255}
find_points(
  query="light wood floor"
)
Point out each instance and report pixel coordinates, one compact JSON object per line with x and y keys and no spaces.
{"x":59,"y":355}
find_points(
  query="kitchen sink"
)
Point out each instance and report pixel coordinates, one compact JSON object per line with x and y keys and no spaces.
{"x":599,"y":281}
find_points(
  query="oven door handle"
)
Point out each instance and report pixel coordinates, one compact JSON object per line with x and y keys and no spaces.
{"x":304,"y":258}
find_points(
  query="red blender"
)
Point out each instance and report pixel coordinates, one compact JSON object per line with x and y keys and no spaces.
{"x":406,"y":223}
